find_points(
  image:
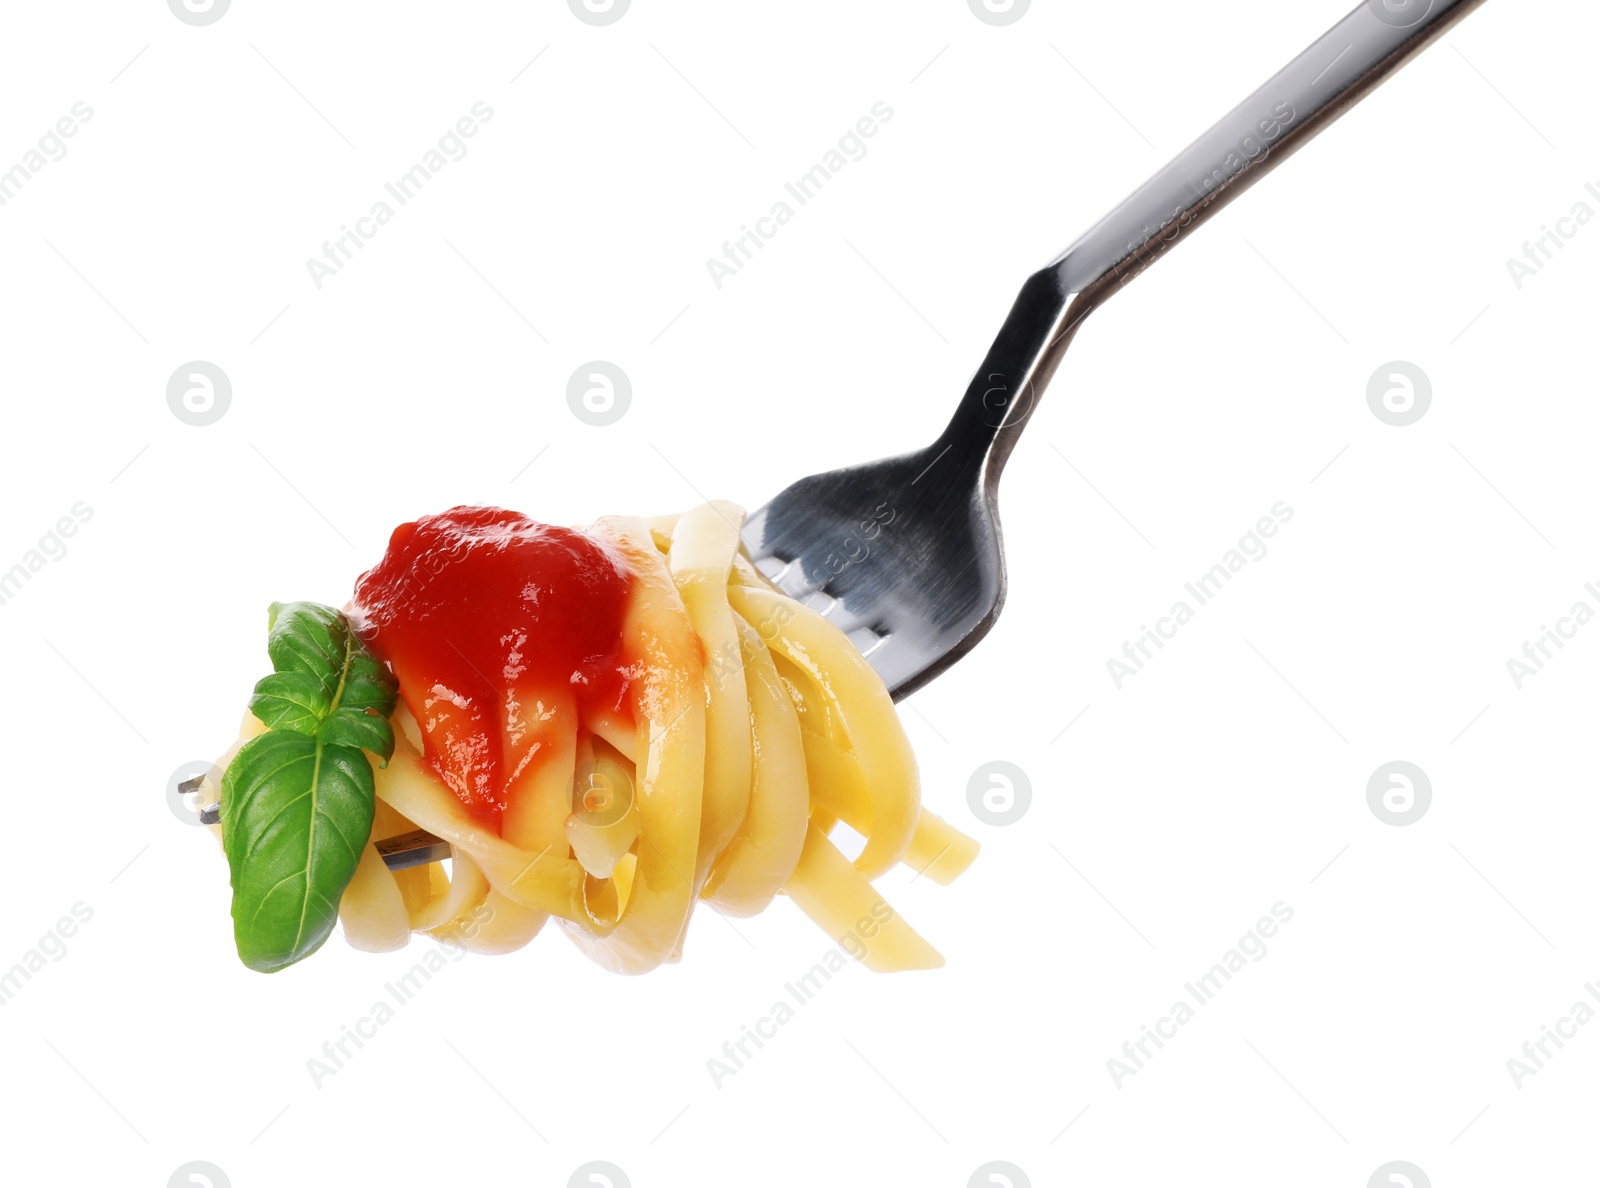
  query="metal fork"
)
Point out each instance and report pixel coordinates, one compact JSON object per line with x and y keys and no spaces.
{"x":904,"y":554}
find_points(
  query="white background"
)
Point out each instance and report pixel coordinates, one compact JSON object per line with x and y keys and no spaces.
{"x":1173,"y":812}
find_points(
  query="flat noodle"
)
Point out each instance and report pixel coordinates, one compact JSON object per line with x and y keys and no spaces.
{"x":669,"y":706}
{"x":835,"y":894}
{"x":372,"y":910}
{"x":497,"y":925}
{"x":849,"y":722}
{"x":939,"y":850}
{"x":752,"y":727}
{"x":766,"y":848}
{"x":701,"y":556}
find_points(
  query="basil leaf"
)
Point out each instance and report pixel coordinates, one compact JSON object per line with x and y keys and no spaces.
{"x":364,"y":732}
{"x":297,"y":813}
{"x":297,"y":801}
{"x":291,"y":701}
{"x":306,"y":637}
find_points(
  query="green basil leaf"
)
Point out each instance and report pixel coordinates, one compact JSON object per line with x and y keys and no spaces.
{"x":297,"y":815}
{"x":363,"y":731}
{"x":368,"y":685}
{"x":291,"y":701}
{"x":297,"y":801}
{"x":307,"y":637}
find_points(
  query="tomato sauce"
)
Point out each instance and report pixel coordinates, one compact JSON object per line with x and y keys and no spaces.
{"x":491,"y":621}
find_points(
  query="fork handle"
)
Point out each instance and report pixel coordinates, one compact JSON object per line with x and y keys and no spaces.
{"x":1302,"y":99}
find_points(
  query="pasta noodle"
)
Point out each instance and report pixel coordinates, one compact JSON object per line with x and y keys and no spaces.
{"x":741,"y":727}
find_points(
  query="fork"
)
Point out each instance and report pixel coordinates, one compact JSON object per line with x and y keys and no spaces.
{"x":904,"y":554}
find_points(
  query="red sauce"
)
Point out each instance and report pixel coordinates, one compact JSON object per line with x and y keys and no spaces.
{"x":491,"y":622}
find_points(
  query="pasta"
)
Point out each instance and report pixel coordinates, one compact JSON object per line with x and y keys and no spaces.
{"x":650,"y":725}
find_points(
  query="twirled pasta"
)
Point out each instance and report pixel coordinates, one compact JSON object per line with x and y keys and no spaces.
{"x":751,"y":727}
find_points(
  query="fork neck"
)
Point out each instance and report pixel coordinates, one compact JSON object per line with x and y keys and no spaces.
{"x":1335,"y":73}
{"x":1008,"y":386}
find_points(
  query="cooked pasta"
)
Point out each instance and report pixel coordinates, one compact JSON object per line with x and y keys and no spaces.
{"x":634,"y":721}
